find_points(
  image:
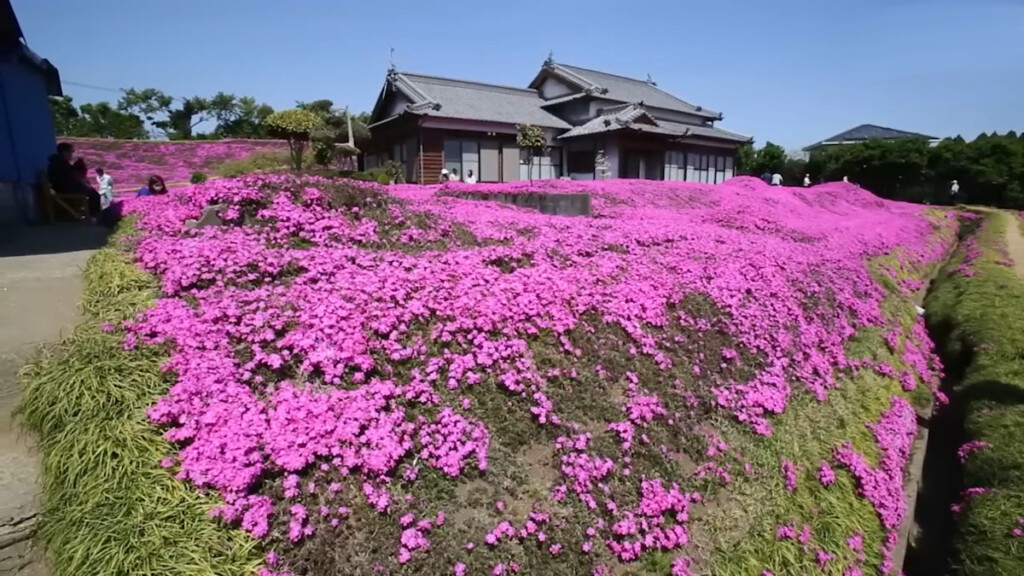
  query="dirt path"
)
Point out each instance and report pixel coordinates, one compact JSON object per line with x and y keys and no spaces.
{"x":1015,"y":242}
{"x":40,"y":287}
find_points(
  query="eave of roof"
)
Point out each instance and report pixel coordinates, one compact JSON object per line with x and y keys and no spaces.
{"x":623,"y":117}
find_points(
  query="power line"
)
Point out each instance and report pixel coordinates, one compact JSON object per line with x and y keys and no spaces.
{"x":106,"y":88}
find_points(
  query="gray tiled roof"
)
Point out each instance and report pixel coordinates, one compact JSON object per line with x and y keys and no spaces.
{"x":449,"y":98}
{"x":624,"y":117}
{"x":623,"y":89}
{"x":868,"y":132}
{"x":705,"y":131}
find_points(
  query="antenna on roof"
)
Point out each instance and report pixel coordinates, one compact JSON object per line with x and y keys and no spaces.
{"x":391,"y":61}
{"x":551,"y":58}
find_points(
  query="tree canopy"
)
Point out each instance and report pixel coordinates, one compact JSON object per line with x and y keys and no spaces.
{"x":150,"y":113}
{"x":989,"y":169}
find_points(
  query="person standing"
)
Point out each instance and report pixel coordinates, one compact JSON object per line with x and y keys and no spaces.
{"x":954,"y":192}
{"x":766,"y":177}
{"x":776,"y":179}
{"x":106,"y":187}
{"x":470,"y":178}
{"x":807,"y":180}
{"x":444,"y":175}
{"x":455,"y":175}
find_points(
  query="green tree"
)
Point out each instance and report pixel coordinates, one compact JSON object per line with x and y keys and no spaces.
{"x":101,"y":120}
{"x":531,"y":139}
{"x":65,"y":115}
{"x":239,"y":117}
{"x":158,"y":110}
{"x":745,"y":157}
{"x":769,"y":158}
{"x":296,"y":126}
{"x":181,"y":121}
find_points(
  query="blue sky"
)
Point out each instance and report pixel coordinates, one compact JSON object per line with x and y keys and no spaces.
{"x":789,"y":71}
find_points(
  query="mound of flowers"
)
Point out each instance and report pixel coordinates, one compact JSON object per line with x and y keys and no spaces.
{"x":132,"y":162}
{"x":381,"y":379}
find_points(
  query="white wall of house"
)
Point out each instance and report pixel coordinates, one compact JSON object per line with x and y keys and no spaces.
{"x":552,"y":88}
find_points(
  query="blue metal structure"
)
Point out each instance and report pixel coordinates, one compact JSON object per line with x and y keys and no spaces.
{"x":26,"y":127}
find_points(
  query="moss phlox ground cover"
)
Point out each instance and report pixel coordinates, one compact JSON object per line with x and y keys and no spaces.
{"x":342,"y":352}
{"x":132,"y":162}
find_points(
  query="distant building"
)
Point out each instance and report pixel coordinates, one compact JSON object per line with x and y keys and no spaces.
{"x":866,"y":132}
{"x":428,"y":123}
{"x":26,"y":127}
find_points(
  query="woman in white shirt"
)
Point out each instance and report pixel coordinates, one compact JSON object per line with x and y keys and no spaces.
{"x":106,"y":187}
{"x":470,"y":177}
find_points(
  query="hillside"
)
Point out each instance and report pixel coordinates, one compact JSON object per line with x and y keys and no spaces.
{"x":132,"y":162}
{"x":698,"y":379}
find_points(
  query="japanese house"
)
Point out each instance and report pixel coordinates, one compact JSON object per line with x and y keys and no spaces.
{"x":597,"y":125}
{"x":866,"y":132}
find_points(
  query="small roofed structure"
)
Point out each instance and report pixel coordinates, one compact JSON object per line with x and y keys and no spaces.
{"x":866,"y":132}
{"x":26,"y":128}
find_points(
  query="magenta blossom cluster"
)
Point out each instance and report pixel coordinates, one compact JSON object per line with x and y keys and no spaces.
{"x":132,"y":162}
{"x":311,"y":337}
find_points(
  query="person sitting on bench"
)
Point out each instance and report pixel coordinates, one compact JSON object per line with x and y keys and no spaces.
{"x":65,"y":178}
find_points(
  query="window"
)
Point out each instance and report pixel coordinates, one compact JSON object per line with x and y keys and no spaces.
{"x":470,"y":159}
{"x":675,"y":165}
{"x":703,"y":168}
{"x":453,"y":156}
{"x":581,"y":161}
{"x":545,"y":167}
{"x":461,"y":156}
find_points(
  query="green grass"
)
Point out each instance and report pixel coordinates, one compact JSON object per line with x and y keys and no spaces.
{"x":743,"y":519}
{"x":981,"y":319}
{"x":256,"y":162}
{"x":108,"y":508}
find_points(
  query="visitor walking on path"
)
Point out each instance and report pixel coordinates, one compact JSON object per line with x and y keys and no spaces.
{"x":807,"y":180}
{"x":954,"y":192}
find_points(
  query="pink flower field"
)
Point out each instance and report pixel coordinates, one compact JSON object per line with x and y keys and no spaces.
{"x":132,"y":162}
{"x":697,"y":379}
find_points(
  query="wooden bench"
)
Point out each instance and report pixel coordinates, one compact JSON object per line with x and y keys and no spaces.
{"x":74,"y":205}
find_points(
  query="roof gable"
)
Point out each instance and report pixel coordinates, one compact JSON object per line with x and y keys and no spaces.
{"x":868,"y":132}
{"x":619,"y":88}
{"x":465,"y":100}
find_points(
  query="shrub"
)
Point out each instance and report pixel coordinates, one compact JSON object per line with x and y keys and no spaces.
{"x":197,"y":178}
{"x":296,"y":126}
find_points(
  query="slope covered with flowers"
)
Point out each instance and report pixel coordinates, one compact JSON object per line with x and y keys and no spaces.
{"x":132,"y":162}
{"x":398,"y":381}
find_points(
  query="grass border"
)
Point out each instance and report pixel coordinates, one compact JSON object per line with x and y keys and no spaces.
{"x":107,"y":505}
{"x":979,"y":323}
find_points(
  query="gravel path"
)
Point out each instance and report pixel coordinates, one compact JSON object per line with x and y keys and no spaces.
{"x":1015,"y":243}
